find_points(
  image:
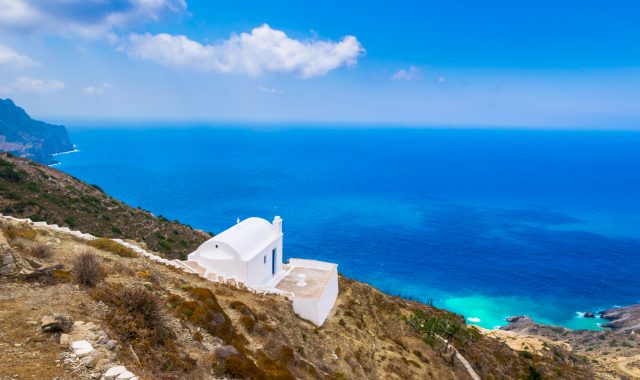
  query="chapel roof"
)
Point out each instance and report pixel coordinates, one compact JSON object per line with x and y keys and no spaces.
{"x":248,"y":237}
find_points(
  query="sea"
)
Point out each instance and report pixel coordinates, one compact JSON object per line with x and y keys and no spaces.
{"x":488,"y":223}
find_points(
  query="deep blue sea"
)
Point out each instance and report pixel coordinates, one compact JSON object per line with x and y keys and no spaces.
{"x":487,"y":223}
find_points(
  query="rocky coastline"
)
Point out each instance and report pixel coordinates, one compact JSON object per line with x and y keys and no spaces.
{"x":622,"y":318}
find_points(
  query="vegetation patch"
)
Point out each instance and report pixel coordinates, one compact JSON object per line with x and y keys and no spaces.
{"x":205,"y":311}
{"x":439,"y":324}
{"x":137,"y":318}
{"x":12,"y":231}
{"x":113,"y":247}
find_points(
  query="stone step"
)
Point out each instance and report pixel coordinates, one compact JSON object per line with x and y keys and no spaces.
{"x":183,"y":266}
{"x":197,"y":268}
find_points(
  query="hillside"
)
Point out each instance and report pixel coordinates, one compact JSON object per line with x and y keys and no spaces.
{"x":41,"y":193}
{"x":163,"y":323}
{"x":23,"y":136}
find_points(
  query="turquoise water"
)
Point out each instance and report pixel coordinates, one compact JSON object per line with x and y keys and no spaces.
{"x":487,"y":223}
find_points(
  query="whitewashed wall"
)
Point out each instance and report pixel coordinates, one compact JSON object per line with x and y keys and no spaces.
{"x":317,"y":310}
{"x":259,"y":272}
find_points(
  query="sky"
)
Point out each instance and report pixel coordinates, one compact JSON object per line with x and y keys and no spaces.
{"x":544,"y":64}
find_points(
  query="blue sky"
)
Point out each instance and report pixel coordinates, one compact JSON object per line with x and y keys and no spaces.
{"x":547,"y":64}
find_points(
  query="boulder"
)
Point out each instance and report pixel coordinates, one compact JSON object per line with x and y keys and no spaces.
{"x":222,"y":352}
{"x":82,"y":348}
{"x":126,"y":375}
{"x":8,"y":269}
{"x":91,"y":359}
{"x":589,"y":314}
{"x":114,"y":372}
{"x":110,"y":345}
{"x":515,"y":318}
{"x":7,"y":262}
{"x":56,"y":323}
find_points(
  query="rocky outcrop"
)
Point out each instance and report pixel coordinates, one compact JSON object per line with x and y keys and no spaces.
{"x":622,"y":318}
{"x":516,"y":318}
{"x":23,"y":136}
{"x":7,"y":262}
{"x":56,"y":323}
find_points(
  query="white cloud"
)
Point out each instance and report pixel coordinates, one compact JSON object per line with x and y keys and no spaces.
{"x":28,"y":85}
{"x":90,"y":18}
{"x":98,"y":89}
{"x":411,"y":73}
{"x":261,"y":51}
{"x":9,"y":57}
{"x":441,"y":80}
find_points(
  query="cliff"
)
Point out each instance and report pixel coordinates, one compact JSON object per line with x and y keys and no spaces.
{"x":160,"y":322}
{"x":23,"y":136}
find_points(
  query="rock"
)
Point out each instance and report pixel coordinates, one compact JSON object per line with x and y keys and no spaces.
{"x":91,"y":359}
{"x":114,"y":372}
{"x":56,"y":323}
{"x":82,"y":348}
{"x":90,"y":326}
{"x":7,"y":269}
{"x":589,"y":314}
{"x":622,"y":318}
{"x":110,"y":345}
{"x":126,"y":375}
{"x":223,"y":351}
{"x":518,"y":323}
{"x":6,"y":260}
{"x":515,"y":318}
{"x":64,"y":339}
{"x":101,"y":337}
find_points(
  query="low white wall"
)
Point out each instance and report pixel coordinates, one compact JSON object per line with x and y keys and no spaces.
{"x":316,"y":310}
{"x":306,"y":263}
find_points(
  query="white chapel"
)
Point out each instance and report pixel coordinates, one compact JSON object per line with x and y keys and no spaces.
{"x":250,"y":253}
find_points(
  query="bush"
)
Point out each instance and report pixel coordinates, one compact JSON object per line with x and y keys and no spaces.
{"x":41,"y":251}
{"x":439,"y":324}
{"x":138,"y":319}
{"x":113,"y":247}
{"x":70,"y":221}
{"x":87,"y":270}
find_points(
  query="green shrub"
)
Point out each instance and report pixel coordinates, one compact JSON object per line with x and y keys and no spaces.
{"x":70,"y":221}
{"x":440,"y":324}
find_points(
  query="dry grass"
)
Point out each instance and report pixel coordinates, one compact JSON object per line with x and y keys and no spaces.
{"x":113,"y":247}
{"x":12,"y":231}
{"x":87,"y":271}
{"x":41,"y":251}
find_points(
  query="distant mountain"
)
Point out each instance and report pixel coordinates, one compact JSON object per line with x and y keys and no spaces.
{"x":25,"y":137}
